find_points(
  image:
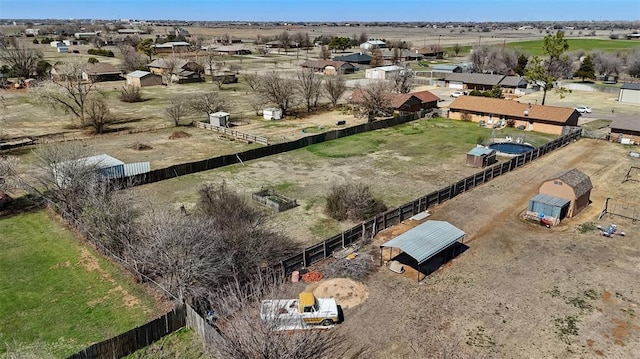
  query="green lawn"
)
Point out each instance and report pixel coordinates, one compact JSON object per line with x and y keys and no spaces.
{"x":57,"y":293}
{"x":534,"y":47}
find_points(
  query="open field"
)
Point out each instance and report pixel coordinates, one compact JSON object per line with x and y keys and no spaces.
{"x":59,"y":293}
{"x":399,"y":164}
{"x":520,"y":290}
{"x":534,"y":47}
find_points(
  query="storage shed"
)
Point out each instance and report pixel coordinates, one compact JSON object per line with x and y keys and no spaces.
{"x":425,"y":241}
{"x":549,"y":206}
{"x":481,"y":157}
{"x":220,"y":119}
{"x":143,"y":79}
{"x":629,"y":93}
{"x":572,"y":185}
{"x":272,"y":113}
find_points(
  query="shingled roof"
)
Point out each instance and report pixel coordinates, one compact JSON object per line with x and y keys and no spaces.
{"x":513,"y":109}
{"x":580,"y":182}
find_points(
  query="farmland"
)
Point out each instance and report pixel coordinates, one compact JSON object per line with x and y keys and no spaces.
{"x":58,"y":294}
{"x":534,"y":47}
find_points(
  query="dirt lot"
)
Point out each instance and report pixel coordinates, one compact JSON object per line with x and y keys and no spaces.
{"x":520,"y":290}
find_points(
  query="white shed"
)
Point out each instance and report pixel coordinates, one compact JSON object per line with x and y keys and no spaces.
{"x":63,"y":49}
{"x":220,"y":119}
{"x":629,"y":93}
{"x":56,"y":43}
{"x":384,"y":72}
{"x":272,"y":113}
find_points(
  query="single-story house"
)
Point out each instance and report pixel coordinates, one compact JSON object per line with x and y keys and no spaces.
{"x":574,"y":186}
{"x":227,"y":77}
{"x":402,"y":55}
{"x":430,"y":52}
{"x":227,"y":39}
{"x":625,"y":128}
{"x":71,"y":42}
{"x":481,"y":157}
{"x":383,"y":72}
{"x":85,"y":35}
{"x":182,"y":71}
{"x":143,"y":79}
{"x":441,"y":70}
{"x":355,"y":58}
{"x":101,"y":71}
{"x":131,"y":31}
{"x":329,"y":67}
{"x":403,"y":103}
{"x":546,"y":119}
{"x":229,"y":49}
{"x":472,"y":81}
{"x":171,"y":47}
{"x":277,"y":44}
{"x":371,"y":44}
{"x":629,"y":93}
{"x":513,"y":84}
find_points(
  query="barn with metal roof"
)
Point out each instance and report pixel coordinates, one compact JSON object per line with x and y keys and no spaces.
{"x":425,"y":241}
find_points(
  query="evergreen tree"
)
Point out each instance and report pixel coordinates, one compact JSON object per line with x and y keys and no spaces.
{"x":587,"y":69}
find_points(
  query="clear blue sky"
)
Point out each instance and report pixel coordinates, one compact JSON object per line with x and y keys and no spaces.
{"x":325,"y":10}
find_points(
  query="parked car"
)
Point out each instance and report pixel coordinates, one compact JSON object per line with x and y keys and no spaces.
{"x":456,"y":94}
{"x":583,"y":109}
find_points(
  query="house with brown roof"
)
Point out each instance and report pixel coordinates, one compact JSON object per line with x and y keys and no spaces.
{"x":329,"y":67}
{"x":625,"y":128}
{"x":101,"y":71}
{"x":546,"y":119}
{"x":403,"y":103}
{"x":430,"y":52}
{"x":180,"y":70}
{"x":472,"y":81}
{"x":228,"y":49}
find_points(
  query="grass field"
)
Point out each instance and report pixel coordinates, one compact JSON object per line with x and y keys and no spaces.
{"x":535,"y":47}
{"x":59,"y":294}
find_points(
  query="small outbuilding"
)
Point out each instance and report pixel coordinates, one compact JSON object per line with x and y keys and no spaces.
{"x":573,"y":185}
{"x":272,"y":113}
{"x":425,"y":241}
{"x":220,"y":119}
{"x":546,"y":206}
{"x":143,"y":79}
{"x":63,"y":49}
{"x":629,"y":93}
{"x":481,"y":157}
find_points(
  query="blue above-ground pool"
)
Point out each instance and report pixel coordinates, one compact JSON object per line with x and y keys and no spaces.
{"x":511,"y":148}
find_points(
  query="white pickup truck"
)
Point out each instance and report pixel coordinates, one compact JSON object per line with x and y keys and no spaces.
{"x":307,"y":309}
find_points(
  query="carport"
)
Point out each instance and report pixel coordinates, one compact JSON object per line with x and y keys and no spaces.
{"x":425,"y":241}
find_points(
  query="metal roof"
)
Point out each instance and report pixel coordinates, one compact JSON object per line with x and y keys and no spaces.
{"x":444,"y":67}
{"x":481,"y":151}
{"x":427,"y":239}
{"x":630,"y":87}
{"x":138,"y":74}
{"x":550,"y":200}
{"x":102,"y":161}
{"x":625,"y":123}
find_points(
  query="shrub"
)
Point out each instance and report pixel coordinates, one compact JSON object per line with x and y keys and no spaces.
{"x":101,"y":52}
{"x":36,"y":42}
{"x":511,"y":123}
{"x":352,"y":201}
{"x":613,"y":36}
{"x":466,"y":117}
{"x":131,"y":94}
{"x":93,"y":60}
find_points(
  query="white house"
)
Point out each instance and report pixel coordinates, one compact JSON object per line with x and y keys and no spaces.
{"x":629,"y":93}
{"x":368,"y":45}
{"x":384,"y":72}
{"x":71,"y":42}
{"x":272,"y":113}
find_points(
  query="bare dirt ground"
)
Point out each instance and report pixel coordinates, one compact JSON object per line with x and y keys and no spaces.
{"x":520,"y":290}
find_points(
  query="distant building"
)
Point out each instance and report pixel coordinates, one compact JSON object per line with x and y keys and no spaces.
{"x":85,"y":35}
{"x":32,"y":32}
{"x":63,"y":49}
{"x":171,"y":47}
{"x":143,"y":79}
{"x":371,"y":44}
{"x":101,"y":71}
{"x":384,"y":72}
{"x":629,"y":93}
{"x":329,"y":67}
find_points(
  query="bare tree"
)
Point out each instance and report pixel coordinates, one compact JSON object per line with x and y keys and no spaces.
{"x":177,"y":109}
{"x":211,"y":60}
{"x":257,"y":104}
{"x":23,"y":60}
{"x":353,"y":201}
{"x":242,"y":333}
{"x":377,"y":59}
{"x":98,"y":114}
{"x":372,"y":100}
{"x":131,"y":59}
{"x":9,"y":178}
{"x":396,"y":55}
{"x":309,"y":87}
{"x":457,"y":48}
{"x":263,"y":50}
{"x":210,"y":102}
{"x":274,"y":87}
{"x":363,"y":37}
{"x":171,"y":68}
{"x":251,"y":79}
{"x":403,"y":81}
{"x":67,"y":90}
{"x":633,"y":63}
{"x":285,"y":40}
{"x":334,"y":88}
{"x":607,"y":63}
{"x":325,"y":53}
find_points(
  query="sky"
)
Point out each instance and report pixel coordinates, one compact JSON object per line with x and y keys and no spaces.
{"x":325,"y":10}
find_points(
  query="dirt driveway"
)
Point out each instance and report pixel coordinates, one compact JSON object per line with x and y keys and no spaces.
{"x":520,"y":290}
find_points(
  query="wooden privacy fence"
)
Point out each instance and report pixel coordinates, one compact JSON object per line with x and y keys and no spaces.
{"x":372,"y":226}
{"x":136,"y":338}
{"x":225,"y":160}
{"x":237,"y":134}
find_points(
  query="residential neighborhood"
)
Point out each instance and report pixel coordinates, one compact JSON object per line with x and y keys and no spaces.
{"x":232,"y":183}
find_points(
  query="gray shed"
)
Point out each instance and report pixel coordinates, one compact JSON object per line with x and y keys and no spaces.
{"x":549,"y":206}
{"x":426,"y":240}
{"x":481,"y":157}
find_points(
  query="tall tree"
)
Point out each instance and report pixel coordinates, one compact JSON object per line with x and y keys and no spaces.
{"x":22,"y":60}
{"x":403,"y":81}
{"x":146,"y":47}
{"x":372,"y":100}
{"x":278,"y":89}
{"x":633,"y":63}
{"x":456,"y":48}
{"x":98,"y":114}
{"x":377,"y":59}
{"x":334,"y":88}
{"x":587,"y":69}
{"x":285,"y":40}
{"x":67,"y":90}
{"x":339,"y":43}
{"x":309,"y":88}
{"x":210,"y":102}
{"x":546,"y":71}
{"x":363,"y":38}
{"x":522,"y":64}
{"x":177,"y":109}
{"x":131,"y":60}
